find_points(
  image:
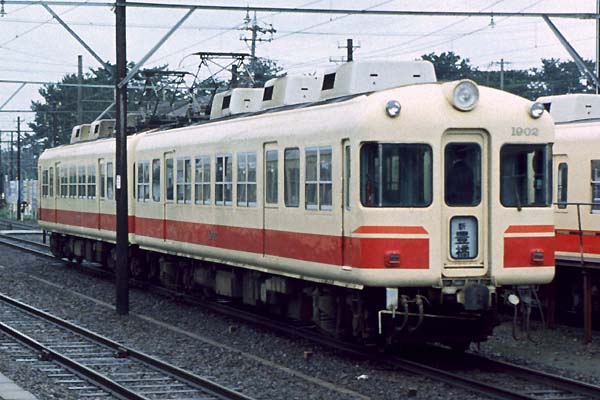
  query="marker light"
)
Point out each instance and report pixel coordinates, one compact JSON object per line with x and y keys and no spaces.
{"x":536,"y":110}
{"x":392,"y":108}
{"x":465,"y":95}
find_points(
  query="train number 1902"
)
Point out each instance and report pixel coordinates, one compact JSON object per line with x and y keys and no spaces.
{"x":520,"y":131}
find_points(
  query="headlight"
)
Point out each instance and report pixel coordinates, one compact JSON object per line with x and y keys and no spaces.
{"x":536,"y":110}
{"x":392,"y":108}
{"x":465,"y":95}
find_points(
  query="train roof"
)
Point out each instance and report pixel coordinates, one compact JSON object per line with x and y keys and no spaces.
{"x":572,"y":107}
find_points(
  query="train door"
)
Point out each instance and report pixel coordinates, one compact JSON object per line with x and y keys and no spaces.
{"x":465,"y":204}
{"x":168,"y":197}
{"x":271,"y":196}
{"x":346,"y":203}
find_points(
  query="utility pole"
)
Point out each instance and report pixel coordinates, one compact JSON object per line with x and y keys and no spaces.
{"x":122,"y":262}
{"x":18,"y":168}
{"x":501,"y":63}
{"x":502,"y":74}
{"x":252,"y":26}
{"x":12,"y":168}
{"x":79,"y":90}
{"x":598,"y":46}
{"x":349,"y":46}
{"x":1,"y":172}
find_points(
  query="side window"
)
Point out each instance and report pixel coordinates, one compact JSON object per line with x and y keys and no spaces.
{"x":51,"y":182}
{"x":143,"y":181}
{"x":246,"y":180}
{"x":156,"y":179}
{"x":102,"y":182}
{"x":223,"y":181}
{"x":110,"y":181}
{"x":318,"y":184}
{"x":64,"y":181}
{"x":81,"y":177}
{"x":169,"y":178}
{"x":596,"y":186}
{"x":184,"y":180}
{"x":562,"y":184}
{"x":292,"y":177}
{"x":91,"y":181}
{"x":202,"y":179}
{"x":271,"y":192}
{"x":45,"y":183}
{"x":73,"y":181}
{"x":347,"y":175}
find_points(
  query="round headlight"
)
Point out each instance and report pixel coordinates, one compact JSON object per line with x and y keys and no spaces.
{"x":392,"y":108}
{"x":536,"y":110}
{"x":465,"y":96}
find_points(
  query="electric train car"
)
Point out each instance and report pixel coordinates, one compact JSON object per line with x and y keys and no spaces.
{"x":577,"y":176}
{"x":371,"y":200}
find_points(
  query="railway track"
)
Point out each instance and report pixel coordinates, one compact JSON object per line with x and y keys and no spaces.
{"x":95,"y":366}
{"x":491,"y":378}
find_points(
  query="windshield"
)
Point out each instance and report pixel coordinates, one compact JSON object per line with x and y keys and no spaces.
{"x":395,"y":175}
{"x":525,"y":175}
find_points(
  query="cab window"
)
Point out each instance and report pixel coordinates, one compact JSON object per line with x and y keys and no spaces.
{"x":525,"y":175}
{"x":395,"y":175}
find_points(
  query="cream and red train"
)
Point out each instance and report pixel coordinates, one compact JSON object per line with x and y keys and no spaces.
{"x":371,"y":200}
{"x":577,"y":176}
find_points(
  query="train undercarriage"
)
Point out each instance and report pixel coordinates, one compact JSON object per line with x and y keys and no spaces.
{"x":421,"y":315}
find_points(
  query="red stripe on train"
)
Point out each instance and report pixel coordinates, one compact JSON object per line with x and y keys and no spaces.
{"x":326,"y":249}
{"x":390,"y":230}
{"x":530,"y":229}
{"x":570,"y":242}
{"x":518,"y":251}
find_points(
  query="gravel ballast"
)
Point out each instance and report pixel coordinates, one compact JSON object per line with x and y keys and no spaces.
{"x":258,"y":363}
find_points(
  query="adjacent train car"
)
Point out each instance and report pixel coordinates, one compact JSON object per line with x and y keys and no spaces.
{"x":388,"y":207}
{"x":577,"y":176}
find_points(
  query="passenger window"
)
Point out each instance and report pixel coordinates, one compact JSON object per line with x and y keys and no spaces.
{"x":169,"y":178}
{"x":91,"y":182}
{"x":143,"y":181}
{"x":82,"y":181}
{"x":271,"y":192}
{"x":223,"y":183}
{"x":102,"y":179}
{"x":64,"y":182}
{"x":72,"y":181}
{"x":110,"y":181}
{"x":395,"y":175}
{"x":318,"y":184}
{"x":51,"y":182}
{"x":246,"y":180}
{"x":291,"y":190}
{"x":347,"y":172}
{"x":562,"y":185}
{"x":202,"y":179}
{"x":45,"y":183}
{"x":462,"y":184}
{"x":184,"y":180}
{"x":596,"y":186}
{"x":156,"y":179}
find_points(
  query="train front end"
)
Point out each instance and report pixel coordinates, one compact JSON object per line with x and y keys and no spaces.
{"x":455,"y":202}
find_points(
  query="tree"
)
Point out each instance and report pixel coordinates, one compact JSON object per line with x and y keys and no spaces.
{"x":560,"y":77}
{"x":450,"y":66}
{"x":256,"y":74}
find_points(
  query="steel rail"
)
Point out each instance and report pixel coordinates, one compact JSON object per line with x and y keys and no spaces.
{"x":191,"y":379}
{"x":292,"y":10}
{"x":559,"y":382}
{"x":456,"y":380}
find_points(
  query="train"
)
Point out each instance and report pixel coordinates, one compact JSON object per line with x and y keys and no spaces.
{"x":577,"y":176}
{"x":371,"y":200}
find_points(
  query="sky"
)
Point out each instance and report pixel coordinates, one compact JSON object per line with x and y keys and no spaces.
{"x":34,"y":47}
